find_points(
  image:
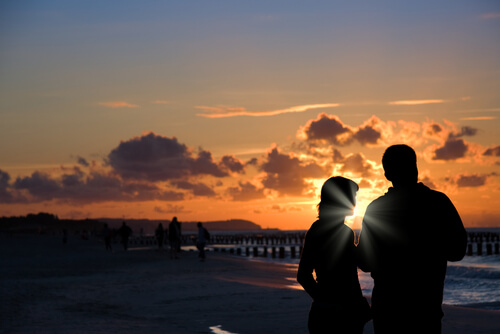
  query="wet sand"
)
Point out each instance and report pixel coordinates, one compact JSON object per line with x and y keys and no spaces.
{"x":48,"y":287}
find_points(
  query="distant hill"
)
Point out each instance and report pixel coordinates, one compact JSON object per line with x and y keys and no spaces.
{"x":149,"y":226}
{"x":49,"y":222}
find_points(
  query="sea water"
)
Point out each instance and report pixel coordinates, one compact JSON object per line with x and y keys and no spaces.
{"x":473,"y":281}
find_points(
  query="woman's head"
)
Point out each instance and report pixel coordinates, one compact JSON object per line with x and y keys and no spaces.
{"x":338,"y":197}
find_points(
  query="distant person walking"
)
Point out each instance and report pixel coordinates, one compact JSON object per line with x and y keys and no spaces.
{"x":106,"y":233}
{"x":203,"y":238}
{"x":125,"y":232}
{"x":407,"y":237}
{"x":338,"y":304}
{"x":160,"y":234}
{"x":174,"y":237}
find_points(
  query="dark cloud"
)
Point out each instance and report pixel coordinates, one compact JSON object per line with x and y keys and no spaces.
{"x":83,"y":162}
{"x":451,"y":150}
{"x":474,"y":180}
{"x":198,"y":189}
{"x":465,"y":131}
{"x":232,"y":164}
{"x":40,"y":185}
{"x":287,"y":174}
{"x":328,"y":128}
{"x":156,"y":158}
{"x":493,"y":151}
{"x":356,"y":163}
{"x":205,"y":165}
{"x":338,"y":157}
{"x":367,"y":135}
{"x":5,"y":195}
{"x":245,"y":192}
{"x":433,"y":129}
{"x":95,"y":187}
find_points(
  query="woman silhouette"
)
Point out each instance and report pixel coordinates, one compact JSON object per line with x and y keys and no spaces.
{"x":338,"y":304}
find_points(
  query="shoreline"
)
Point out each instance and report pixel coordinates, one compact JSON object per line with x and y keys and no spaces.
{"x":79,"y":288}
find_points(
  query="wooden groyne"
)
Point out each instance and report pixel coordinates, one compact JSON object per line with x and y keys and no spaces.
{"x":483,"y":243}
{"x":289,"y":244}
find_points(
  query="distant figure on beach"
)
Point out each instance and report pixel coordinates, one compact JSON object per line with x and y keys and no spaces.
{"x":338,"y":304}
{"x":160,"y":234}
{"x":174,"y":237}
{"x":407,"y":237}
{"x":125,"y":232}
{"x":201,"y":242}
{"x":106,"y":233}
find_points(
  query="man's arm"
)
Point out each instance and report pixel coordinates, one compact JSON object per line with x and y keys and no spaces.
{"x":456,"y":236}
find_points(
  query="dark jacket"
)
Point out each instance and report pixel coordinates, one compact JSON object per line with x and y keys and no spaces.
{"x":407,"y":237}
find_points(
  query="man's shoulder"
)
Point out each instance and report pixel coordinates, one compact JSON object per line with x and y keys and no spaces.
{"x":431,"y":193}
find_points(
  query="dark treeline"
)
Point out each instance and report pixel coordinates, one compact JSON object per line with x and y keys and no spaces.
{"x":46,"y":223}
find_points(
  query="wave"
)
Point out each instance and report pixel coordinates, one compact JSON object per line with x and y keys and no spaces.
{"x":472,"y":272}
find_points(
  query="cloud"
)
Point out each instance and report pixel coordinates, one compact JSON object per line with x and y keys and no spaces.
{"x":357,"y":164}
{"x":453,"y":149}
{"x":83,"y":162}
{"x":330,"y":129}
{"x":160,"y":102}
{"x":233,"y":164}
{"x":493,"y":151}
{"x":78,"y":188}
{"x":225,"y":111}
{"x":491,"y":16}
{"x":286,"y":174}
{"x":198,"y":189}
{"x":156,"y":158}
{"x":327,"y":128}
{"x":474,"y":180}
{"x":414,"y":102}
{"x":246,"y":191}
{"x":118,"y":104}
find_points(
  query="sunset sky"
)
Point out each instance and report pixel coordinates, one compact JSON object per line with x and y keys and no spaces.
{"x":212,"y":110}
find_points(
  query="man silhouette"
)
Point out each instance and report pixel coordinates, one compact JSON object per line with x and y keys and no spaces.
{"x":407,"y":237}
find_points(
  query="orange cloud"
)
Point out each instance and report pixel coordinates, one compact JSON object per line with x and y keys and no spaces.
{"x":414,"y":102}
{"x":225,"y":111}
{"x":118,"y":104}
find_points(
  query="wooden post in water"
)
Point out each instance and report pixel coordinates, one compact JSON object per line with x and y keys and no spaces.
{"x":274,"y":252}
{"x":292,"y":252}
{"x":489,"y":249}
{"x":497,"y":249}
{"x":469,"y":249}
{"x":255,"y":251}
{"x":479,"y":248}
{"x":282,"y":252}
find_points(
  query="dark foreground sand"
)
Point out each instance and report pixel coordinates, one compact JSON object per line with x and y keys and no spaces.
{"x":46,"y":287}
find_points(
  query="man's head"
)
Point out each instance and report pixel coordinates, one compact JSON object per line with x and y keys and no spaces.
{"x":400,"y":164}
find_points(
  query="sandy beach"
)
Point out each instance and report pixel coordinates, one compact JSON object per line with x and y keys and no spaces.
{"x":48,"y":287}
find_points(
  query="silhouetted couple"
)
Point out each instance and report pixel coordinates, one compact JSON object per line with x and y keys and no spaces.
{"x":407,"y":237}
